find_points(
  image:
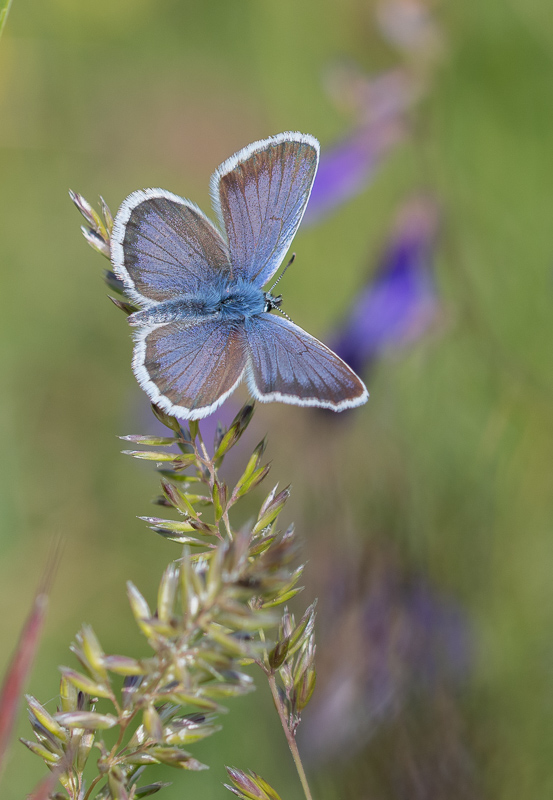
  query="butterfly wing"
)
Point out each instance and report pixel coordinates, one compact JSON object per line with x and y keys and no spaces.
{"x":163,"y":246}
{"x":288,"y":365}
{"x":189,"y":369}
{"x":260,"y":195}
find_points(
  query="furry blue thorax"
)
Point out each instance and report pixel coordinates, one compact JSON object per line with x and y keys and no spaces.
{"x":235,"y":301}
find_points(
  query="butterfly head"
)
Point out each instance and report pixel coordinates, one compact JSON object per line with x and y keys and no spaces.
{"x":271,"y":301}
{"x":275,"y":301}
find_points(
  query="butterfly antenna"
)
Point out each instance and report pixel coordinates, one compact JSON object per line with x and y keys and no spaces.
{"x":284,"y":314}
{"x":289,"y":264}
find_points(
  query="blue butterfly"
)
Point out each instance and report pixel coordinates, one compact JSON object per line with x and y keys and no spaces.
{"x":205,"y":323}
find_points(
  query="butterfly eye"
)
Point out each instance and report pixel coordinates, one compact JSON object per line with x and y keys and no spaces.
{"x":272,"y":302}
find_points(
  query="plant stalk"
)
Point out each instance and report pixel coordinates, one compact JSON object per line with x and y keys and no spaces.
{"x":290,"y":738}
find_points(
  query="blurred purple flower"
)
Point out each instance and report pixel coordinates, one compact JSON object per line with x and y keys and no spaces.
{"x":400,"y":301}
{"x":346,"y":168}
{"x":411,"y":27}
{"x":372,"y":98}
{"x":398,"y":638}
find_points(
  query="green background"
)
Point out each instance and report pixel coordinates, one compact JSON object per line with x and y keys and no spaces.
{"x":451,"y":461}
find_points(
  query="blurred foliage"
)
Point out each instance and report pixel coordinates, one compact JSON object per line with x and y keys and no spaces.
{"x":450,"y":461}
{"x":4,"y":10}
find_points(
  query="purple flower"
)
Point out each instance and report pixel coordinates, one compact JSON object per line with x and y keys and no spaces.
{"x":345,"y":169}
{"x":373,"y":98}
{"x":397,"y":637}
{"x":349,"y":165}
{"x":411,"y":27}
{"x":399,"y":303}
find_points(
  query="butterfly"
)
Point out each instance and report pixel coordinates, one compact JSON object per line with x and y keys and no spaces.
{"x":204,"y":322}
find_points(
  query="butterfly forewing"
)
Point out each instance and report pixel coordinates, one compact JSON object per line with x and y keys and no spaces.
{"x":163,"y":246}
{"x":260,"y":195}
{"x":289,"y":365}
{"x":189,"y":369}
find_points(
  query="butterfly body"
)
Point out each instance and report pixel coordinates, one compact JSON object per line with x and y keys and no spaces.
{"x":204,"y":323}
{"x":227,"y":302}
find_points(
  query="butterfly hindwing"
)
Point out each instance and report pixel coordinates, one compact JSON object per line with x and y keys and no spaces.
{"x":189,"y":368}
{"x":163,"y":246}
{"x":291,"y":366}
{"x":260,"y":195}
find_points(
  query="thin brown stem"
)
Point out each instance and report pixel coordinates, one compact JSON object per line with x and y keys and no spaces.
{"x":290,"y":738}
{"x":122,"y":728}
{"x":93,"y":783}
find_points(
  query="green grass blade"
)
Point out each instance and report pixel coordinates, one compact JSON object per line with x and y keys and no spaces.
{"x":4,"y":9}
